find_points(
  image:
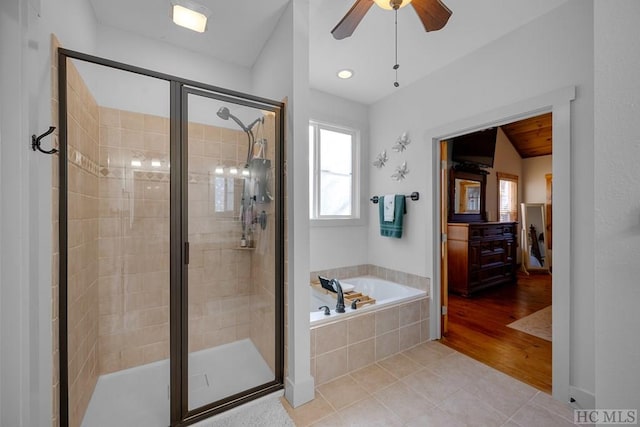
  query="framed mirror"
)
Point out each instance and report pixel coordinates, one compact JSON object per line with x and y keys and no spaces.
{"x":467,"y":194}
{"x":533,"y":237}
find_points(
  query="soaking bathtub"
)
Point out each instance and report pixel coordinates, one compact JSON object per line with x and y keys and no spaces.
{"x":385,"y":293}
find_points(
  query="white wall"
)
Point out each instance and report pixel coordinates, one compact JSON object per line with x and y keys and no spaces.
{"x":150,"y":96}
{"x":533,"y":178}
{"x":617,"y":203}
{"x":282,"y":70}
{"x":506,"y":160}
{"x":559,"y":53}
{"x":343,"y":245}
{"x":25,"y":292}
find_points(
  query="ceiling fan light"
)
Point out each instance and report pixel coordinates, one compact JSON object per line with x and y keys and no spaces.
{"x":386,"y":4}
{"x":190,"y":15}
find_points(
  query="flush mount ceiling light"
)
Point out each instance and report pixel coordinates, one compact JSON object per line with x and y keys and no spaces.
{"x":432,"y":13}
{"x":190,"y":15}
{"x":345,"y":74}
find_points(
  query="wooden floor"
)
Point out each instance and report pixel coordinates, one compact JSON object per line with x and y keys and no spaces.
{"x":477,"y":328}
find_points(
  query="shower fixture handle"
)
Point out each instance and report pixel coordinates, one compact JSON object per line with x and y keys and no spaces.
{"x":327,"y":311}
{"x":354,"y":303}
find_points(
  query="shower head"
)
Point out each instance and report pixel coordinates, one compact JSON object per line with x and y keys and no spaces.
{"x":224,"y":114}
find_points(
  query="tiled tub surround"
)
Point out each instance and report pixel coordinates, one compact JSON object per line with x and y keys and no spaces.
{"x":407,"y":279}
{"x":346,"y":345}
{"x":383,"y":292}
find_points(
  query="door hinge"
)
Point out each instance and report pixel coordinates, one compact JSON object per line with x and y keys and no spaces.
{"x":443,"y":164}
{"x":444,"y":310}
{"x":186,"y":253}
{"x":443,"y":237}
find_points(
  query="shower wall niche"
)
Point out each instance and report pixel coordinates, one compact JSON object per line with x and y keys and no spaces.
{"x":118,"y":278}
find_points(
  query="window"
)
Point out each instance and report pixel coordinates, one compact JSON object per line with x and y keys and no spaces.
{"x":507,"y":197}
{"x":333,"y":170}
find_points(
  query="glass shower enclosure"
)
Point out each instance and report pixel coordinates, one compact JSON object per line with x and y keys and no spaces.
{"x":171,"y":246}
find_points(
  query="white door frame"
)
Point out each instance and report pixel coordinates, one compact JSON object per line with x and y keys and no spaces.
{"x":559,"y":104}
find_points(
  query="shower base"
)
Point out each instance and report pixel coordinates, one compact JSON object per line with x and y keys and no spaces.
{"x":140,"y":396}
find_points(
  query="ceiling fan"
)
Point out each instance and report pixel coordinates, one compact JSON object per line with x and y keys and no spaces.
{"x":432,"y":13}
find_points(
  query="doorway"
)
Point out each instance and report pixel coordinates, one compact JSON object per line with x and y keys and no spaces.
{"x":171,"y":250}
{"x":497,"y":314}
{"x":559,"y":103}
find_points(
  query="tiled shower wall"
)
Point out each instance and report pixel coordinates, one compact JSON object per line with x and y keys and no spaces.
{"x":82,"y":273}
{"x":219,"y":271}
{"x":55,"y":241}
{"x":263,"y":266}
{"x":134,"y":239}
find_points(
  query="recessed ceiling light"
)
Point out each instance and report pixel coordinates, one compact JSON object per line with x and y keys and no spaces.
{"x":190,"y":15}
{"x":345,"y":74}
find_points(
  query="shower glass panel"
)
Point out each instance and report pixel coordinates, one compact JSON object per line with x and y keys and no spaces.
{"x":118,"y":247}
{"x":170,"y":279}
{"x":231,"y":291}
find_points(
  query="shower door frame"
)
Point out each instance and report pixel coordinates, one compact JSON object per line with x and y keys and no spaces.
{"x":178,"y":240}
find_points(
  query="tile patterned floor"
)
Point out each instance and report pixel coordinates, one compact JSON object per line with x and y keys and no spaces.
{"x":430,"y":385}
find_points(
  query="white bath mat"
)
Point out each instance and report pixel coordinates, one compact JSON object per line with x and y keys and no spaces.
{"x":267,"y":413}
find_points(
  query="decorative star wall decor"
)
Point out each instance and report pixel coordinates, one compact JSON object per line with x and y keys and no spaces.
{"x":401,"y":143}
{"x":381,"y":159}
{"x":401,"y":172}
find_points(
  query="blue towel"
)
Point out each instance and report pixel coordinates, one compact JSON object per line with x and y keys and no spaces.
{"x":393,"y":229}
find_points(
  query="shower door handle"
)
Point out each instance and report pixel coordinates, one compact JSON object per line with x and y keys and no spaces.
{"x":186,"y":253}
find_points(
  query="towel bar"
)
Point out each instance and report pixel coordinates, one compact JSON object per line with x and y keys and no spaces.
{"x":413,"y":196}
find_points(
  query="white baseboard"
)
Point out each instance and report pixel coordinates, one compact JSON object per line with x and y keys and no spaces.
{"x":582,"y":399}
{"x":299,"y":393}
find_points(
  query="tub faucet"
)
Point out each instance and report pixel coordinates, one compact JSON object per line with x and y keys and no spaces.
{"x":340,"y":304}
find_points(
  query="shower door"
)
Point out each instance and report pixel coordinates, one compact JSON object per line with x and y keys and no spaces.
{"x":171,"y":259}
{"x":231,"y":275}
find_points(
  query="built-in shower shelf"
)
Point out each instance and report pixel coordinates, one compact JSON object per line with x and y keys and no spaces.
{"x":244,"y":248}
{"x":349,"y":297}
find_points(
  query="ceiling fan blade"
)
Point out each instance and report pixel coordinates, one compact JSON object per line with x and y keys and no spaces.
{"x":350,"y":21}
{"x":433,"y":13}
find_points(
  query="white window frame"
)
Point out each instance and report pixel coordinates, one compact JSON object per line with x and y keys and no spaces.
{"x":501,"y":176}
{"x":314,"y":177}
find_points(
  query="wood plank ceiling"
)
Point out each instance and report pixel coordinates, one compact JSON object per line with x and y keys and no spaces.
{"x":531,"y":137}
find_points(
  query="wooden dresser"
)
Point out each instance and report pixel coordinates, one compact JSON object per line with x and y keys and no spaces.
{"x":480,"y":255}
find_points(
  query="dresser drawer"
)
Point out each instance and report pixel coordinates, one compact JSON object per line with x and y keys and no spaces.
{"x":480,"y":255}
{"x":492,"y":258}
